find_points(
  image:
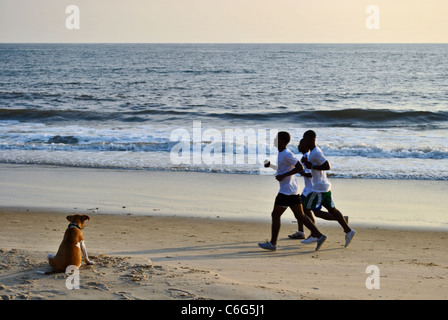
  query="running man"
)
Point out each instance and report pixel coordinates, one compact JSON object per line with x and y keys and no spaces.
{"x":321,"y":189}
{"x":308,"y":178}
{"x":288,"y":196}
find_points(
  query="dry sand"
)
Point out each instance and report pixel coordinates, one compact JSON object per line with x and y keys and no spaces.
{"x":172,"y":235}
{"x":144,"y":257}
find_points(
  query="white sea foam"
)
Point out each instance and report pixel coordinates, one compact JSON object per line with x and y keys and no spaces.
{"x":148,"y":148}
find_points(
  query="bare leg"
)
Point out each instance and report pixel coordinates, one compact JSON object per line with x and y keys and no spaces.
{"x":340,"y":218}
{"x":297,"y":209}
{"x":325,"y":215}
{"x":310,"y":215}
{"x":276,"y":223}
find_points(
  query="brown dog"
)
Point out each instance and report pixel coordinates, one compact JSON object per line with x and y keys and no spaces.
{"x":72,"y":246}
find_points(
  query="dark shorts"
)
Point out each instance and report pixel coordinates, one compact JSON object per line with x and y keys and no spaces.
{"x":285,"y":201}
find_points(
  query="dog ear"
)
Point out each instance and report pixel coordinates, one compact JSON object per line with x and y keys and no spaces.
{"x":70,"y":218}
{"x":85,"y":217}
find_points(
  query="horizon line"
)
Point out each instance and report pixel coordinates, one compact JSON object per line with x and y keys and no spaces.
{"x":25,"y":42}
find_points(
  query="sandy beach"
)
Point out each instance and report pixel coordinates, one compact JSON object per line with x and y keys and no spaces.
{"x":159,"y":235}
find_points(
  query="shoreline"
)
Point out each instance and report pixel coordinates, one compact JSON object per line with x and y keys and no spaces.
{"x":394,"y":204}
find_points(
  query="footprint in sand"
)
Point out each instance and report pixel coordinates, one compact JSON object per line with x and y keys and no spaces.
{"x":97,"y":286}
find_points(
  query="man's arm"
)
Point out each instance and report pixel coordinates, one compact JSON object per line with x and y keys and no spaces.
{"x":297,"y":169}
{"x":268,"y":164}
{"x":323,"y":167}
{"x":306,"y":174}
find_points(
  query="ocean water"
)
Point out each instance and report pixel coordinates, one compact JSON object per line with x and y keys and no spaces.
{"x":379,"y":110}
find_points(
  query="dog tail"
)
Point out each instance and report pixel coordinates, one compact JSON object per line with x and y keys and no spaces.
{"x":45,"y":272}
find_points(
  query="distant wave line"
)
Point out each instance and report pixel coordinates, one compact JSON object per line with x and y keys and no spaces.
{"x":343,"y":117}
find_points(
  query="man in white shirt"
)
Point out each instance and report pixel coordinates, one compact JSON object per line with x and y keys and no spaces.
{"x":308,"y":179}
{"x":288,"y":196}
{"x":321,"y":190}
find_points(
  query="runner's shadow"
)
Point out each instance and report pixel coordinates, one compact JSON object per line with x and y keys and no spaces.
{"x":221,"y":251}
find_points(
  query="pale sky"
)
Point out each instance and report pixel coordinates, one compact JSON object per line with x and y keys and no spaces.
{"x":225,"y":21}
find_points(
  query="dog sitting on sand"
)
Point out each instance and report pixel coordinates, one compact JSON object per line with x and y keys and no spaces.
{"x":72,"y":248}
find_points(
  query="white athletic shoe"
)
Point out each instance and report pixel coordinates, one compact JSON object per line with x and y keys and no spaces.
{"x":309,"y":240}
{"x":267,"y":245}
{"x":348,"y":237}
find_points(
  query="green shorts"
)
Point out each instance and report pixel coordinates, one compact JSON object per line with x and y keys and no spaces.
{"x":317,"y":200}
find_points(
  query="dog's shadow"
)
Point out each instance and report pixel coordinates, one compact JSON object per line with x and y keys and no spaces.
{"x":49,"y":270}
